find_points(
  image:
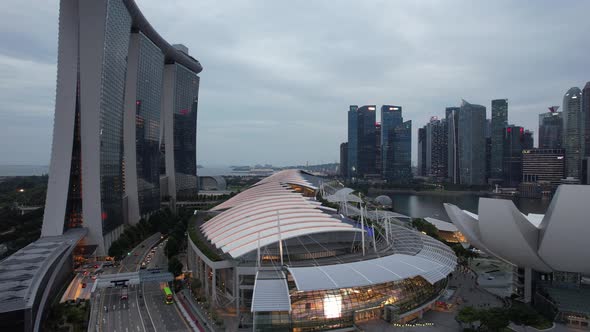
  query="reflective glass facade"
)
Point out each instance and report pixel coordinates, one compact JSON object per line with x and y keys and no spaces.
{"x":550,"y":130}
{"x":573,"y":131}
{"x":452,"y":117}
{"x":340,"y":308}
{"x":472,"y":142}
{"x":116,"y":44}
{"x":499,"y":122}
{"x":147,"y":125}
{"x":402,"y":151}
{"x":391,"y":118}
{"x":352,"y":142}
{"x":186,"y":93}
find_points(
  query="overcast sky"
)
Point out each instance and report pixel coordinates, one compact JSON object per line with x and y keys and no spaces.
{"x":279,"y":75}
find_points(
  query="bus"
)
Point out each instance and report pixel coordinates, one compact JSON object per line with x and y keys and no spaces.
{"x":124,"y":293}
{"x":168,"y":294}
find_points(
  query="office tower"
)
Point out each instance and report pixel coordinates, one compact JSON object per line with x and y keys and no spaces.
{"x":361,"y":141}
{"x":543,"y":165}
{"x":528,"y":141}
{"x":353,"y":133}
{"x":452,"y":119}
{"x":472,"y":159}
{"x":103,"y":46}
{"x":488,"y":158}
{"x":422,"y":151}
{"x":499,"y":122}
{"x":401,"y":168}
{"x":391,"y":118}
{"x":586,"y":117}
{"x":378,"y":152}
{"x":344,"y":160}
{"x":551,"y":129}
{"x":514,"y":143}
{"x":436,"y":148}
{"x":573,"y":132}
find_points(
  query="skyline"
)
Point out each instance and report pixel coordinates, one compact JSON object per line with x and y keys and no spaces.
{"x":274,"y":73}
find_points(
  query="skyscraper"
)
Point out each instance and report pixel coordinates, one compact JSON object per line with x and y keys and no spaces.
{"x":472,"y":158}
{"x":422,"y":151}
{"x":436,"y":148}
{"x":515,"y":141}
{"x":180,"y":100}
{"x":361,"y":141}
{"x":573,"y":138}
{"x":499,"y":122}
{"x":586,"y":117}
{"x":344,"y":160}
{"x":452,"y":119}
{"x":378,"y":151}
{"x":395,"y":144}
{"x":551,"y":129}
{"x":107,"y":115}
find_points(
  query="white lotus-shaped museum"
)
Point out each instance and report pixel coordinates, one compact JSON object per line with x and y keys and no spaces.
{"x":557,"y":241}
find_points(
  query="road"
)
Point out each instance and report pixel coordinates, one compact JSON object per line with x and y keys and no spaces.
{"x":145,"y":308}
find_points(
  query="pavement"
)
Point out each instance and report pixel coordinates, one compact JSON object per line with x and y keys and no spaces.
{"x":468,"y":293}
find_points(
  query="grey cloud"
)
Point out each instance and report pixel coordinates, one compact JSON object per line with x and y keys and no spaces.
{"x":279,"y":75}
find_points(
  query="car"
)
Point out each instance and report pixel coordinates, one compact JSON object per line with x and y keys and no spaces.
{"x":83,"y":285}
{"x":134,"y":254}
{"x":96,"y":266}
{"x":93,"y":277}
{"x":85,"y":273}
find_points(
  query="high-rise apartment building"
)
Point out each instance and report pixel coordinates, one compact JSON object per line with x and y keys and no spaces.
{"x":573,"y":127}
{"x":107,"y":119}
{"x":472,"y":159}
{"x":499,"y":122}
{"x":361,"y":141}
{"x":452,"y":119}
{"x":551,"y":129}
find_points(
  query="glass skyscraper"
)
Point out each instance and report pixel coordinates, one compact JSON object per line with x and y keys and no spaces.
{"x":586,"y":117}
{"x":391,"y":118}
{"x":361,"y":141}
{"x":573,"y":138}
{"x":472,"y":152}
{"x":551,"y":129}
{"x":499,"y":122}
{"x":452,"y":119}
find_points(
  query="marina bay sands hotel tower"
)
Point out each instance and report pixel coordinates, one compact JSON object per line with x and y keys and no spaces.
{"x":125,"y":121}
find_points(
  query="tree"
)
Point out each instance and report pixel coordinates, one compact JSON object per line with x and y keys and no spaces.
{"x":468,"y":315}
{"x":172,"y":247}
{"x":175,"y":266}
{"x":495,"y":319}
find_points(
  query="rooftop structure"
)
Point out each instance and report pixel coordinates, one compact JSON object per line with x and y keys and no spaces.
{"x":281,"y":253}
{"x":30,"y":278}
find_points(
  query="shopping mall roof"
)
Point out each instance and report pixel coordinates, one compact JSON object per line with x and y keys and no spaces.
{"x":431,"y":260}
{"x":442,"y":225}
{"x":21,"y":274}
{"x":269,"y":211}
{"x":271,"y":292}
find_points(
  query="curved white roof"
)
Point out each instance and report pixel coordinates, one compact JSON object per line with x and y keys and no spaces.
{"x":555,"y":244}
{"x":433,"y":261}
{"x":255,"y":216}
{"x":344,"y":195}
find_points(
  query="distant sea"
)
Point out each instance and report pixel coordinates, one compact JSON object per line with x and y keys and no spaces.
{"x":23,"y":170}
{"x":213,"y":171}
